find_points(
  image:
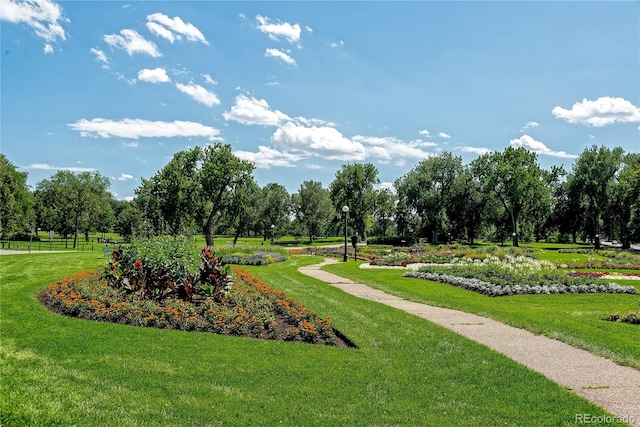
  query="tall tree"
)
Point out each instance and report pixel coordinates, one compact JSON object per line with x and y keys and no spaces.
{"x":469,"y":205}
{"x":67,"y":199}
{"x":16,"y":201}
{"x":384,"y":209}
{"x":242,"y":206}
{"x":427,"y":190}
{"x":129,"y":219}
{"x":312,"y":206}
{"x":221,"y":171}
{"x":625,"y":196}
{"x":353,"y":186}
{"x":516,"y":179}
{"x":593,"y":173}
{"x":193,"y":190}
{"x":275,"y":208}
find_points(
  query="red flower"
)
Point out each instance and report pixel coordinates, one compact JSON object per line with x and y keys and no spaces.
{"x":114,"y":266}
{"x":137,"y":264}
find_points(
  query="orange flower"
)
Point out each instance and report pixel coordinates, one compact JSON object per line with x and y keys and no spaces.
{"x":137,"y":264}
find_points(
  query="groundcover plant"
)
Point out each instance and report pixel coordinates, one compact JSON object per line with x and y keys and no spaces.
{"x":516,"y":275}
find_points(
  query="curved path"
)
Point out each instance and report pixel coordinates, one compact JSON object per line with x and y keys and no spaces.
{"x":613,"y":387}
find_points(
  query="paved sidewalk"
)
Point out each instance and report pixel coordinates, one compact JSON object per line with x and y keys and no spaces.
{"x":613,"y":387}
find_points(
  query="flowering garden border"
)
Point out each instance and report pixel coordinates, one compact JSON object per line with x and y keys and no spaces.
{"x":493,"y":290}
{"x":253,"y":309}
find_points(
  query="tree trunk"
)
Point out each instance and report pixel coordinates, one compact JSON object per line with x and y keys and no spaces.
{"x":596,"y":234}
{"x":75,"y":235}
{"x":626,"y":243}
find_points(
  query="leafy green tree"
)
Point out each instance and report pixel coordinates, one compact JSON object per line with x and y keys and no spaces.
{"x":468,"y":206}
{"x":129,"y":220}
{"x":567,"y":213}
{"x":593,"y":174}
{"x":66,"y":200}
{"x":625,"y":197}
{"x":193,"y":190}
{"x":426,"y":189}
{"x":221,"y":171}
{"x":312,"y":206}
{"x":354,"y":186}
{"x":384,"y":210}
{"x":16,"y":201}
{"x":516,"y":179}
{"x":275,"y":209}
{"x":242,"y":206}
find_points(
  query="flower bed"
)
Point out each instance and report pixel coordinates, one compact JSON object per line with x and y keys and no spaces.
{"x":251,"y":309}
{"x":495,"y":290}
{"x":516,"y":275}
{"x":255,"y":258}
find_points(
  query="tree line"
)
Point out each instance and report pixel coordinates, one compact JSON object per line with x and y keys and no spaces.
{"x":498,"y":196}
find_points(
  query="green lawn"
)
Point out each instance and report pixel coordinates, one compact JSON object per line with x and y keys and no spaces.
{"x":406,"y":371}
{"x":575,"y":319}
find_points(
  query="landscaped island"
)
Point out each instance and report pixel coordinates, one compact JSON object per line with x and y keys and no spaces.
{"x":155,"y":284}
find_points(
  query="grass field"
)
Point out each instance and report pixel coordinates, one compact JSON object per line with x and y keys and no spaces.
{"x":406,"y":371}
{"x":575,"y":319}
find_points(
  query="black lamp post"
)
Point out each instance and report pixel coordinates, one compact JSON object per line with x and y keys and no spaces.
{"x":345,"y":209}
{"x":272,"y":233}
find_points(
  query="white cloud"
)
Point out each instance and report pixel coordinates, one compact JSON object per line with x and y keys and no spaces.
{"x":476,"y":150}
{"x":325,"y":142}
{"x":130,"y":144}
{"x":157,"y":75}
{"x":531,"y":144}
{"x":138,"y":128}
{"x":45,"y":166}
{"x":275,"y":53}
{"x":48,"y":48}
{"x":132,"y":42}
{"x":424,"y":132}
{"x":199,"y":94}
{"x":278,"y":30}
{"x":173,"y":29}
{"x":308,"y":28}
{"x":336,"y":44}
{"x":529,"y":126}
{"x":208,"y":79}
{"x":252,"y":111}
{"x":267,"y":157}
{"x":312,"y":166}
{"x":100,"y":55}
{"x":44,"y":16}
{"x":443,"y":135}
{"x":124,"y":177}
{"x":601,"y":112}
{"x":129,"y":198}
{"x":313,"y":121}
{"x":388,"y":148}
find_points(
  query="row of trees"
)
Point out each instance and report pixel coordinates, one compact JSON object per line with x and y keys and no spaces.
{"x":498,"y":196}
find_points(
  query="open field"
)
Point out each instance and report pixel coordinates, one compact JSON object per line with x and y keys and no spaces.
{"x":406,"y":371}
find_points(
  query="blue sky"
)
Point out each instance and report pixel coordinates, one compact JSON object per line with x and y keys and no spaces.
{"x":302,"y":88}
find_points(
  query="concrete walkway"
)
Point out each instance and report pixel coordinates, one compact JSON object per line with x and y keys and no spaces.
{"x":613,"y":387}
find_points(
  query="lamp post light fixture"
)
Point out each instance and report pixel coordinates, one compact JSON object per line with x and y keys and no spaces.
{"x":345,"y":209}
{"x":515,"y":238}
{"x":272,"y":233}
